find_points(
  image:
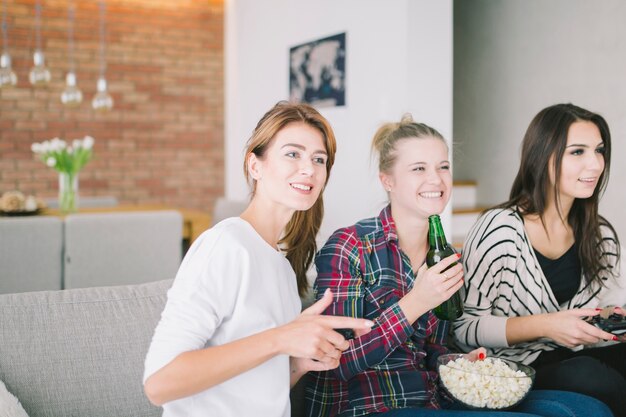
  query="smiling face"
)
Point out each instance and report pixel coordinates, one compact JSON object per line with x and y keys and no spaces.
{"x":582,"y":163}
{"x":420,"y":181}
{"x":292,"y":171}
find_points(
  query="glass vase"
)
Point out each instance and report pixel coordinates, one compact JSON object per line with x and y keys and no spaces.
{"x":68,"y":192}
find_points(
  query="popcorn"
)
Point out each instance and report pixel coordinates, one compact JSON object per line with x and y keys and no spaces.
{"x":489,"y":383}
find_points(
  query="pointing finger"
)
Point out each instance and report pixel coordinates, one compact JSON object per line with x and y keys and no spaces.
{"x":321,"y":305}
{"x":342,"y":322}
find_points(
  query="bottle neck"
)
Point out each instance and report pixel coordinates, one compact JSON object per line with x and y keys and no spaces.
{"x":436,"y":236}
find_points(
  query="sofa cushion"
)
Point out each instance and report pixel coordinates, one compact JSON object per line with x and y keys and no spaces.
{"x":80,"y":352}
{"x":23,"y":239}
{"x":121,"y":248}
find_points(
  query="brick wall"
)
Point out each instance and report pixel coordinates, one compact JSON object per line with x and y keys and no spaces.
{"x":163,"y":140}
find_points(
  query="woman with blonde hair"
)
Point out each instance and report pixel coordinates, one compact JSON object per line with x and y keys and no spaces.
{"x":231,"y":339}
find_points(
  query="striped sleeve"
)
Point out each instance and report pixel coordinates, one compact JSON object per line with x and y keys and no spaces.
{"x":503,"y":279}
{"x":490,"y":261}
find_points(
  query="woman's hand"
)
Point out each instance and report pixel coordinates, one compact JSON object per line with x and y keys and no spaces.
{"x":476,"y":354}
{"x":300,"y":366}
{"x":621,"y":337}
{"x":568,"y":328}
{"x":311,"y":336}
{"x":616,"y":310}
{"x":432,"y":287}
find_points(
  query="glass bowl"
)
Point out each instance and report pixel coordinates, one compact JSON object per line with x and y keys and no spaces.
{"x":490,"y":384}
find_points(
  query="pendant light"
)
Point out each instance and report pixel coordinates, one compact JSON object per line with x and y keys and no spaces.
{"x":39,"y":75}
{"x":102,"y":101}
{"x":71,"y":96}
{"x":7,"y":75}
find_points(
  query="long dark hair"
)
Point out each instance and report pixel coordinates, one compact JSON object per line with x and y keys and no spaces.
{"x":545,"y":138}
{"x":299,"y":237}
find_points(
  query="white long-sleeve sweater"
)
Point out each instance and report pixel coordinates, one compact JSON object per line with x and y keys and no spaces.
{"x":231,"y":284}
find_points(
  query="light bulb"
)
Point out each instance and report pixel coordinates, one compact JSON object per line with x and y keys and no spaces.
{"x":39,"y":75}
{"x":7,"y":75}
{"x":102,"y":101}
{"x":71,"y":96}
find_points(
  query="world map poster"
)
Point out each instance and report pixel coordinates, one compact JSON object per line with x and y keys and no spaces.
{"x":317,"y":72}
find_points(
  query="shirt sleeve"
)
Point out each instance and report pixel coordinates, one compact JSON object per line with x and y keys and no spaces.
{"x":338,"y":268}
{"x":202,"y":296}
{"x":489,"y":260}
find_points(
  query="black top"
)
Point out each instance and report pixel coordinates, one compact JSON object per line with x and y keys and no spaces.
{"x":563,"y":274}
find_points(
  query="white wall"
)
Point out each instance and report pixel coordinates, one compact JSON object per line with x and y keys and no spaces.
{"x":513,"y":58}
{"x":399,"y":59}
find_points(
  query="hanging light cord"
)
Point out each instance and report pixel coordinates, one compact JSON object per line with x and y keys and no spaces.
{"x":38,"y":25}
{"x":70,"y":37}
{"x":102,"y":38}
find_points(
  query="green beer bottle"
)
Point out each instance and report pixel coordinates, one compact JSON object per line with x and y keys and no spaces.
{"x":452,"y":308}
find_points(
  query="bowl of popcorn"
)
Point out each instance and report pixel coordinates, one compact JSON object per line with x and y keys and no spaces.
{"x":488,"y":384}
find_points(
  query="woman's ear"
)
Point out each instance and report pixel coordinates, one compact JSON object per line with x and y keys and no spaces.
{"x":254,"y":167}
{"x":386,"y":181}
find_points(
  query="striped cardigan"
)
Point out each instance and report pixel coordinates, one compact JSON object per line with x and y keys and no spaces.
{"x":503,"y":279}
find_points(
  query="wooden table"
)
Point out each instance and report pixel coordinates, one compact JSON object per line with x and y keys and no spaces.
{"x":194,"y":221}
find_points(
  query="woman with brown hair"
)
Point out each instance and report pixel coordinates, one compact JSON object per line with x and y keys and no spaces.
{"x":231,"y":339}
{"x":540,"y":264}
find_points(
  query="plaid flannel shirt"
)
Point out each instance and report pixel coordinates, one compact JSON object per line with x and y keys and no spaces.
{"x":394,"y":365}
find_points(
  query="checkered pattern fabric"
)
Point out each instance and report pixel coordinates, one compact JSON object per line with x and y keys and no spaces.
{"x":394,"y":365}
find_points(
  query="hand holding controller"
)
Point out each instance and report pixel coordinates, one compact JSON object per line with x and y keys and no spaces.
{"x":615,"y":323}
{"x":346,"y":333}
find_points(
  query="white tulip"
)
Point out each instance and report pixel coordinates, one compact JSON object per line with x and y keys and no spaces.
{"x":63,"y":156}
{"x":45,"y":147}
{"x":88,"y":142}
{"x":55,"y":145}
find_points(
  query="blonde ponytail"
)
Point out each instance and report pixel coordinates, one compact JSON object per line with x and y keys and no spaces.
{"x":387,"y":136}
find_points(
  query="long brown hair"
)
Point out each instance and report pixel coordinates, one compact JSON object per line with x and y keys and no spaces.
{"x":299,"y":238}
{"x":546,"y":138}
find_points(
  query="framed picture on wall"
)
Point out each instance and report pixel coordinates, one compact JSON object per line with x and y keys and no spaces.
{"x":317,"y":72}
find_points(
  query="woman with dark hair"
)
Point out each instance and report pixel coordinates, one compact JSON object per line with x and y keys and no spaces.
{"x":230,"y":341}
{"x":540,"y":264}
{"x":376,"y":270}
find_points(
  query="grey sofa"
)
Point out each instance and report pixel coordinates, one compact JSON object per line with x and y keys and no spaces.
{"x":80,"y":352}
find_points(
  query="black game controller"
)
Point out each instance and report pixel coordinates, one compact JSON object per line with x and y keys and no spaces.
{"x":346,"y":333}
{"x":615,"y":323}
